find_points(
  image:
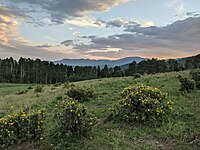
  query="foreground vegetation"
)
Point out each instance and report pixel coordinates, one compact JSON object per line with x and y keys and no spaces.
{"x":179,"y":130}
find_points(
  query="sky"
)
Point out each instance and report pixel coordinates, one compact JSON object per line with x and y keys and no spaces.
{"x":99,"y":29}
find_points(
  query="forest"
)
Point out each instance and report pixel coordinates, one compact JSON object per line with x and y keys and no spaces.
{"x":38,"y":71}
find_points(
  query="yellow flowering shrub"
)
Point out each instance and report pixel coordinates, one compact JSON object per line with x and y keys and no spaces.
{"x":20,"y":126}
{"x":73,"y":119}
{"x":141,"y":103}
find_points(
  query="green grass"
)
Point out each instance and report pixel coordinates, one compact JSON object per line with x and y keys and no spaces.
{"x":181,"y":130}
{"x":9,"y":88}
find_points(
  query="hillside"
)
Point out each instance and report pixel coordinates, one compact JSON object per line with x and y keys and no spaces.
{"x":181,"y":130}
{"x":181,"y":62}
{"x":101,"y":63}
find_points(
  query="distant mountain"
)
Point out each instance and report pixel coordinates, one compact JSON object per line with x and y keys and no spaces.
{"x":101,"y":63}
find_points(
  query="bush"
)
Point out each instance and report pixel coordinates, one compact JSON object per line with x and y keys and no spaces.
{"x":22,"y":92}
{"x":141,"y":103}
{"x":38,"y":89}
{"x":30,"y":87}
{"x":186,"y":84}
{"x":71,"y":85}
{"x":195,"y":74}
{"x":53,"y":88}
{"x":73,"y":119}
{"x":2,"y":113}
{"x":19,"y":127}
{"x":66,"y":84}
{"x":137,"y":75}
{"x":59,"y":98}
{"x":37,"y":95}
{"x":81,"y":94}
{"x":57,"y":84}
{"x":198,"y":85}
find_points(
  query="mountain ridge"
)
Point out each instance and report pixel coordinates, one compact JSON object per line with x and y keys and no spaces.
{"x":101,"y":63}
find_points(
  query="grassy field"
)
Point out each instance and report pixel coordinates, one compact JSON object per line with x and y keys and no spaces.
{"x":180,"y":131}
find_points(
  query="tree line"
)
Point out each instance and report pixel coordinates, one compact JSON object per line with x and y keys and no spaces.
{"x":38,"y":71}
{"x":160,"y":66}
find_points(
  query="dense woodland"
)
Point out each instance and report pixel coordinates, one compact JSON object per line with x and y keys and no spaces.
{"x":37,"y":71}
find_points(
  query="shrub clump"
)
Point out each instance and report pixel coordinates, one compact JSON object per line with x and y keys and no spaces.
{"x":22,"y":92}
{"x":66,"y":84}
{"x":141,"y":103}
{"x":30,"y":87}
{"x":20,"y":126}
{"x":57,"y":84}
{"x":38,"y":89}
{"x":186,"y":84}
{"x":59,"y":97}
{"x":195,"y":74}
{"x":73,"y":119}
{"x":137,"y":75}
{"x":81,"y":94}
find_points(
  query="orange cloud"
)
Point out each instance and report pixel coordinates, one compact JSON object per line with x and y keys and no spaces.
{"x":13,"y":45}
{"x":8,"y":29}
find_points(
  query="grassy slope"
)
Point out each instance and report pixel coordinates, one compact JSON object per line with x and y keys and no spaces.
{"x":9,"y":88}
{"x":180,"y":131}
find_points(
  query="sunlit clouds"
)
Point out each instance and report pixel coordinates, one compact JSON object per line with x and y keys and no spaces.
{"x":101,"y":29}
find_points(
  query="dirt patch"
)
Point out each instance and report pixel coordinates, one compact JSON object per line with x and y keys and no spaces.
{"x":158,"y":144}
{"x":23,"y":146}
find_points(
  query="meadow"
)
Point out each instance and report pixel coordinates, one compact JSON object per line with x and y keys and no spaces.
{"x":181,"y":130}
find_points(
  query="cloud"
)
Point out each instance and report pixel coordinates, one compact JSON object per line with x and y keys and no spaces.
{"x":121,"y":22}
{"x":76,"y":33}
{"x":104,"y":50}
{"x":193,"y":14}
{"x":180,"y":9}
{"x":12,"y":45}
{"x":23,"y":50}
{"x":179,"y":38}
{"x":170,"y":3}
{"x":67,"y":42}
{"x":118,"y":22}
{"x":185,"y":30}
{"x":84,"y":22}
{"x":6,"y":11}
{"x":71,"y":29}
{"x":61,"y":10}
{"x":45,"y":46}
{"x":7,"y":26}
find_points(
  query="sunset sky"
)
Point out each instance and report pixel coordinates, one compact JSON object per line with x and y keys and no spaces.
{"x":99,"y":29}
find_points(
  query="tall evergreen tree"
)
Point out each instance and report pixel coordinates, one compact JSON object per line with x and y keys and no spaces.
{"x":117,"y":72}
{"x":98,"y":72}
{"x":132,"y":69}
